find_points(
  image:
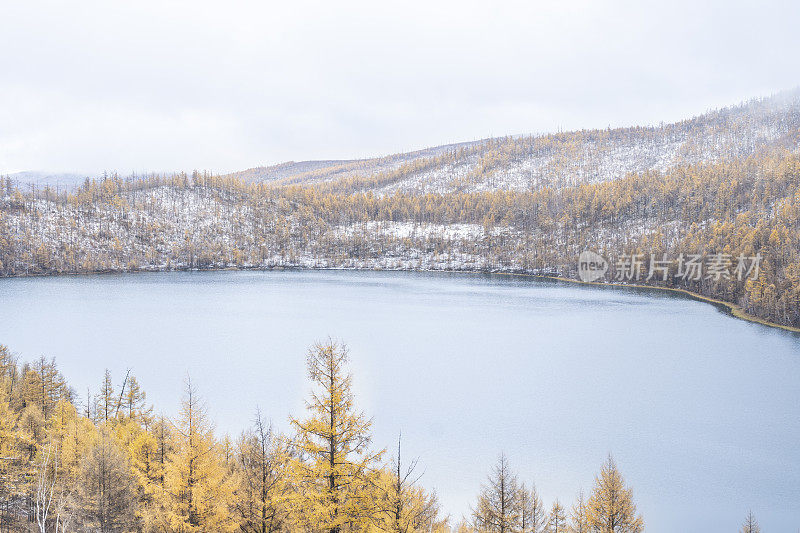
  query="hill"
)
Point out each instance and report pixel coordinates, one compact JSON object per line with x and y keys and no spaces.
{"x":560,"y":159}
{"x":710,"y":205}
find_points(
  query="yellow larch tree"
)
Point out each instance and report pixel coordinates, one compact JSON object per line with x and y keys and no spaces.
{"x":610,"y":508}
{"x":333,"y":461}
{"x":200,"y":495}
{"x":404,"y":506}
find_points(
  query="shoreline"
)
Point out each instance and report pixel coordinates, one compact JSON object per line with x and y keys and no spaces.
{"x":734,"y":310}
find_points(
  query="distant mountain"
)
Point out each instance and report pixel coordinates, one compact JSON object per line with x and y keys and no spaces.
{"x":293,"y":172}
{"x":530,"y":162}
{"x":42,"y":179}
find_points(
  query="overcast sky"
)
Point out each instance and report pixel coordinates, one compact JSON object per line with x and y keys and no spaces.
{"x":135,"y":86}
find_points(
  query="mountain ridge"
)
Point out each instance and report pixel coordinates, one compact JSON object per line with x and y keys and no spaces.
{"x":620,"y":150}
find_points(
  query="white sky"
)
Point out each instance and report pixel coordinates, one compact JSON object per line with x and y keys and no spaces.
{"x":134,"y":86}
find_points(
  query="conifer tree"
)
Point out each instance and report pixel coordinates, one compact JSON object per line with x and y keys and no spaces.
{"x":557,"y":521}
{"x":498,"y":509}
{"x":262,"y":499}
{"x":134,"y":401}
{"x":533,"y":516}
{"x":579,"y":520}
{"x":403,"y":505}
{"x":10,"y":440}
{"x":750,"y":524}
{"x":200,"y":493}
{"x":106,"y":496}
{"x":611,"y":509}
{"x":107,"y":401}
{"x":334,"y":460}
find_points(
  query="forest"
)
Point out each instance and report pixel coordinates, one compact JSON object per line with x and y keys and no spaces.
{"x":725,"y":184}
{"x":111,"y":463}
{"x":741,"y":207}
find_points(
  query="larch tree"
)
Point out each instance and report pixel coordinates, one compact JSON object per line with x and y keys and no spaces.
{"x":11,"y":474}
{"x":134,"y":401}
{"x":106,"y":402}
{"x":162,"y":433}
{"x":332,"y":445}
{"x":557,"y":521}
{"x":9,"y":371}
{"x":106,"y":496}
{"x":498,"y":509}
{"x":52,"y":384}
{"x":750,"y":524}
{"x":261,"y":502}
{"x":610,"y":508}
{"x":404,"y":506}
{"x":579,"y":520}
{"x":199,"y":491}
{"x":533,"y":516}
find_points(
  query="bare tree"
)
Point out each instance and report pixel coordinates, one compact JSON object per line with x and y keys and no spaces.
{"x":50,"y":496}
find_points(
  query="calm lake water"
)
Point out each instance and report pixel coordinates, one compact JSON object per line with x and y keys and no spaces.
{"x":700,"y":410}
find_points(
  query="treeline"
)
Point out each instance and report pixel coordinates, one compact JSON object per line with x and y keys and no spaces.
{"x":736,"y":207}
{"x":110,"y":464}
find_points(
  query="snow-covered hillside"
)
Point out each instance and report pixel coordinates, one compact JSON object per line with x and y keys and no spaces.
{"x":727,"y":181}
{"x":562,"y":159}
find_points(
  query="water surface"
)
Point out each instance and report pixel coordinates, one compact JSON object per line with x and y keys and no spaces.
{"x":700,"y":410}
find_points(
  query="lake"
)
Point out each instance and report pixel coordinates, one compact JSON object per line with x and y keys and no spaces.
{"x":700,"y":410}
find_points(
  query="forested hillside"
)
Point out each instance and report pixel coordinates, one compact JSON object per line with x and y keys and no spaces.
{"x":721,"y":190}
{"x":108,"y":462}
